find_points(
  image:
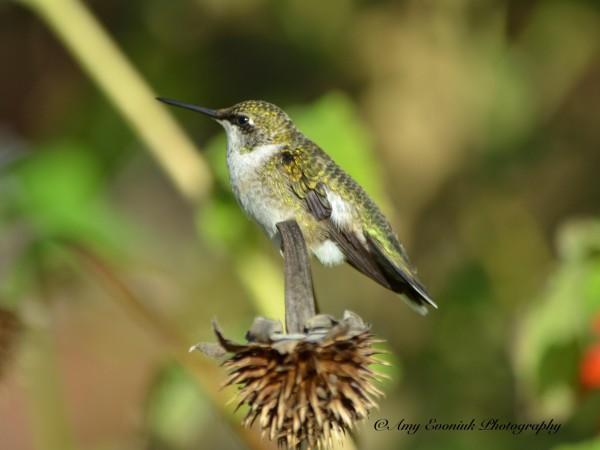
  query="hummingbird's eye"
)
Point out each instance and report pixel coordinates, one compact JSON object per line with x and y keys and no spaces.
{"x":242,"y":120}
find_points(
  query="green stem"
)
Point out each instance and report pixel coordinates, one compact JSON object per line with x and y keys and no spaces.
{"x":51,"y":427}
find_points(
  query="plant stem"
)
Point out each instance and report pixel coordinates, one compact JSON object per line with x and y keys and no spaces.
{"x":299,"y":294}
{"x":51,"y":428}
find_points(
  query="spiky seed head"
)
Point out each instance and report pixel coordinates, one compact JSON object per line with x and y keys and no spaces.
{"x":310,"y":387}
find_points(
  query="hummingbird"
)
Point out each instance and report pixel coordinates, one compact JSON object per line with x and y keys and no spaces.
{"x":277,"y":174}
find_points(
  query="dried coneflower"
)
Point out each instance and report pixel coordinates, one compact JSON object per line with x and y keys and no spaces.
{"x":309,"y":387}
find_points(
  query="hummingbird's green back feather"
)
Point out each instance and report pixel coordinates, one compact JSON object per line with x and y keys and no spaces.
{"x":378,"y":252}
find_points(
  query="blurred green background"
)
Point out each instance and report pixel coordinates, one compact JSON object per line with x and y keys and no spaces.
{"x":475,"y":124}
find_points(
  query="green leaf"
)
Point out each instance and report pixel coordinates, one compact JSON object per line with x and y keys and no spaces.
{"x":59,"y":193}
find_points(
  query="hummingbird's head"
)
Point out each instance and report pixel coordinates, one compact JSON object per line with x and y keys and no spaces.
{"x":248,"y":124}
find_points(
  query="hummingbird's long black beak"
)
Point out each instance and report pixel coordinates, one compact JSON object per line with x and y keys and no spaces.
{"x":214,"y":113}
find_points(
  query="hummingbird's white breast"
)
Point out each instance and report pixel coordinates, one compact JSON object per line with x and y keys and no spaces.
{"x":245,"y":175}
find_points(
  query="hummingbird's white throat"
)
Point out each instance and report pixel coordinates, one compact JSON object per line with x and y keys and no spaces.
{"x":244,"y":176}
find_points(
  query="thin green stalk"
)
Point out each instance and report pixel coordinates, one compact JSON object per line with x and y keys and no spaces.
{"x":40,"y":370}
{"x":50,"y":424}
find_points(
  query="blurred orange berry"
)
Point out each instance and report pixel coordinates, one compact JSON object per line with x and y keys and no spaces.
{"x":589,"y":370}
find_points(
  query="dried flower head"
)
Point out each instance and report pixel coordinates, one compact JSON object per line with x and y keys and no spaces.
{"x":310,"y":387}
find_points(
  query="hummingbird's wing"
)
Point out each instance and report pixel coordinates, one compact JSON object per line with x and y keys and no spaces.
{"x":382,"y":258}
{"x":306,"y":179}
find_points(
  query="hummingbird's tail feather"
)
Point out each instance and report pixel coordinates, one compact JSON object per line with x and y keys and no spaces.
{"x":373,"y":262}
{"x":401,"y":280}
